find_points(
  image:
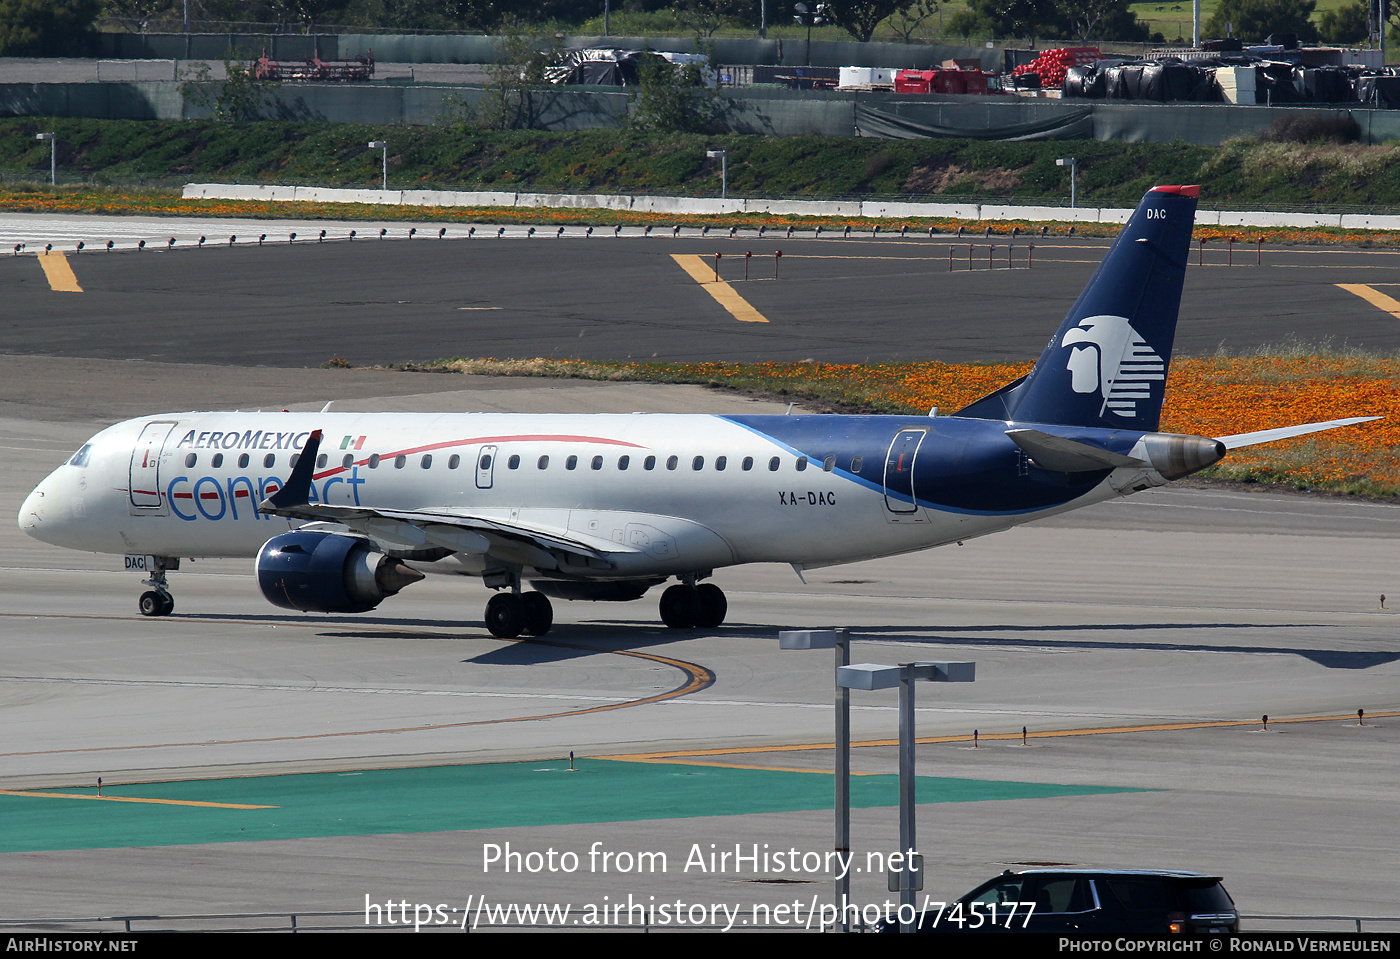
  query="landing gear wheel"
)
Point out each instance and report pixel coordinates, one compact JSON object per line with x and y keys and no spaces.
{"x":153,"y":603}
{"x":505,"y":615}
{"x":680,"y":607}
{"x":713,"y":605}
{"x":539,"y":614}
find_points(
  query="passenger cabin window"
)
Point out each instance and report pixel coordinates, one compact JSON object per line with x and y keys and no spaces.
{"x":649,"y":463}
{"x":856,"y":464}
{"x":427,"y":461}
{"x":623,"y":461}
{"x":773,"y":465}
{"x":597,"y":463}
{"x":190,"y":460}
{"x":698,"y":463}
{"x":296,"y":457}
{"x":218,"y":460}
{"x":269,"y":460}
{"x":829,"y":464}
{"x":513,"y":462}
{"x":454,"y":461}
{"x":399,"y":461}
{"x":748,"y":463}
{"x":571,"y":462}
{"x":320,"y":461}
{"x":485,"y":461}
{"x":543,"y":463}
{"x":374,"y":461}
{"x":801,"y":463}
{"x":243,"y":461}
{"x":721,"y":462}
{"x":672,"y":462}
{"x":347,"y":461}
{"x":80,"y":458}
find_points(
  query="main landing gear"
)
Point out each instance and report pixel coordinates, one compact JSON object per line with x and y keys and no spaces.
{"x":157,"y":600}
{"x":510,"y":614}
{"x":687,"y":606}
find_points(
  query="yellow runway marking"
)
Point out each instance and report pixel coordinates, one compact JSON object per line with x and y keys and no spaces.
{"x":724,"y":294}
{"x":58,"y":271}
{"x":1374,"y":297}
{"x":693,"y":757}
{"x":161,"y":802}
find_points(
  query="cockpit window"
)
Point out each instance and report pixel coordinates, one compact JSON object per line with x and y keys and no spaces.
{"x":80,"y":458}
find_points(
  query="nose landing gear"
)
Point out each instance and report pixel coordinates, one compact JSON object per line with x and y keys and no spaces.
{"x":157,"y":600}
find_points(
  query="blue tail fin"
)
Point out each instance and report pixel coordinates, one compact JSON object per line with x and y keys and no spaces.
{"x":1107,"y":364}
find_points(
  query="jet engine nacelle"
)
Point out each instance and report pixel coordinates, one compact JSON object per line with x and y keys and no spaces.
{"x":319,"y":572}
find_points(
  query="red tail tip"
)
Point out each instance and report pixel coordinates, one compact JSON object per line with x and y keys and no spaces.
{"x":1191,"y":191}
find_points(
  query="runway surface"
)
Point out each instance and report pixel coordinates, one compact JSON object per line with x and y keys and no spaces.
{"x":1139,"y":643}
{"x":375,"y":302}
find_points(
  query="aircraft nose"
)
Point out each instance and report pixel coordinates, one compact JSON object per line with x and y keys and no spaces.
{"x":31,"y":514}
{"x":42,"y":515}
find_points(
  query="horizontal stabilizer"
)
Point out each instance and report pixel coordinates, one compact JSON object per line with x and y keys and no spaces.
{"x":1063,"y":455}
{"x":1240,"y":440}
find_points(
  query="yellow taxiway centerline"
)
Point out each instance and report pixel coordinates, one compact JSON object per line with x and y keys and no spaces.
{"x":696,"y":757}
{"x":724,"y":294}
{"x":160,"y":802}
{"x":59,"y":273}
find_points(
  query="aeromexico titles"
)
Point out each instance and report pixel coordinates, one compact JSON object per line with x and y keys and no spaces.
{"x":342,"y":510}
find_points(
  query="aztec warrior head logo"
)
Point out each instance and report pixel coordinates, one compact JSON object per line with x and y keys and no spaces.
{"x":1109,"y":357}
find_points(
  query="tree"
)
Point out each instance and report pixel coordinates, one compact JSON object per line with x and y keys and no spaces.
{"x":137,"y":14}
{"x":704,"y":17}
{"x":1104,"y":20}
{"x":859,"y":18}
{"x":1256,"y":20}
{"x":670,"y":98}
{"x":1347,"y":25}
{"x":47,"y":28}
{"x":516,"y":79}
{"x":241,"y":95}
{"x":910,"y":17}
{"x":1030,"y":19}
{"x":307,"y":12}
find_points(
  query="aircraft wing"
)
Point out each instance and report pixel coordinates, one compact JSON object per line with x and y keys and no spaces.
{"x":457,"y":530}
{"x":1239,"y":440}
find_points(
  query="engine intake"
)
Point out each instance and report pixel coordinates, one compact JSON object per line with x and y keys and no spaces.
{"x":318,"y":572}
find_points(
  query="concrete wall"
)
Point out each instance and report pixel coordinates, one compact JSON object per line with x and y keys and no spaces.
{"x":878,"y":209}
{"x":133,"y":101}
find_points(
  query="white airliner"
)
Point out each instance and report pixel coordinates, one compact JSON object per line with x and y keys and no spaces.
{"x":345,"y":509}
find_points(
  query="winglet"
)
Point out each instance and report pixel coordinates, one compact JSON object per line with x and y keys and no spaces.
{"x":297,"y":492}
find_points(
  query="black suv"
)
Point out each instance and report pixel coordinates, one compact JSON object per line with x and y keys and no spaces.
{"x":1101,"y":902}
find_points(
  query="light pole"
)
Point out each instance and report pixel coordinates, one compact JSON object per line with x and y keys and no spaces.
{"x":840,"y":640}
{"x":384,"y":146}
{"x":1073,"y":165}
{"x":53,"y":155}
{"x":723,"y":157}
{"x":872,"y":676}
{"x":811,"y":17}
